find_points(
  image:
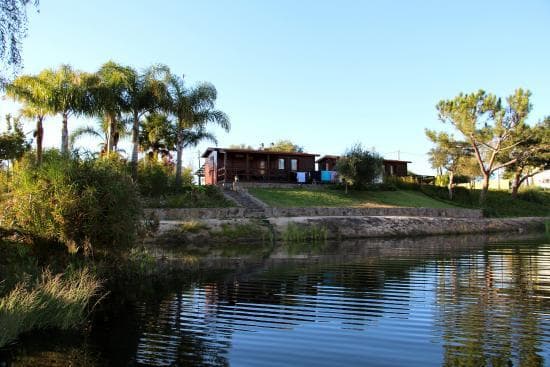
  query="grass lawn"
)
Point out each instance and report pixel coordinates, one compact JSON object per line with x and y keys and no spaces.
{"x":335,"y":198}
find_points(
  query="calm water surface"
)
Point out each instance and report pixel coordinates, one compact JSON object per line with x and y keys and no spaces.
{"x":439,"y":301}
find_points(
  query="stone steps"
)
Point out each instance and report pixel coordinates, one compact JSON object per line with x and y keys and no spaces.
{"x":243,"y":200}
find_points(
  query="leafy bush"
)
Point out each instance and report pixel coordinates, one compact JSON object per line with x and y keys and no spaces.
{"x":156,"y":179}
{"x":208,"y":196}
{"x":80,"y":203}
{"x":359,"y":166}
{"x":153,"y":179}
{"x":405,"y":183}
{"x":535,"y":195}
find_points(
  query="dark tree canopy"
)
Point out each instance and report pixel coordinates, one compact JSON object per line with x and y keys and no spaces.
{"x":13,"y":28}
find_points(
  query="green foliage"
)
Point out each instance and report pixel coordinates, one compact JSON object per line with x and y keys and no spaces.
{"x":190,"y":197}
{"x":156,"y":179}
{"x":153,"y":179}
{"x":497,"y":204}
{"x":285,"y":146}
{"x":12,"y":141}
{"x":360,"y":167}
{"x":443,"y":180}
{"x":80,"y":203}
{"x":487,"y":125}
{"x":13,"y":18}
{"x":239,"y":231}
{"x":52,"y":301}
{"x":296,"y":233}
{"x":192,"y":226}
{"x":535,"y":195}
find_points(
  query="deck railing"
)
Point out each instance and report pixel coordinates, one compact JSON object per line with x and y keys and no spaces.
{"x":228,"y":174}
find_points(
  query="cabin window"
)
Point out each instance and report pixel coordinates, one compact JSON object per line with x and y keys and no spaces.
{"x":294,"y":165}
{"x":391,"y":170}
{"x":281,"y":163}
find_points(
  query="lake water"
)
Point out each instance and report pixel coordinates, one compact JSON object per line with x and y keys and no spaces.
{"x":438,"y":301}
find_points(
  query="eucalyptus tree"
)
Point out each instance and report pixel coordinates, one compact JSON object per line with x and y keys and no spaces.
{"x":146,"y":92}
{"x":33,"y":92}
{"x":67,"y":96}
{"x":13,"y":28}
{"x":488,"y":126}
{"x":193,"y":109}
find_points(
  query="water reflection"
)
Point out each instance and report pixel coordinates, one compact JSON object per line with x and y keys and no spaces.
{"x":452,"y":301}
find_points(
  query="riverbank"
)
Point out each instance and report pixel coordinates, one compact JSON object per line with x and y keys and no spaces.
{"x":319,"y":228}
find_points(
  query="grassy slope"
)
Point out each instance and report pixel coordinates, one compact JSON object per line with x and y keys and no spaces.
{"x":336,"y":198}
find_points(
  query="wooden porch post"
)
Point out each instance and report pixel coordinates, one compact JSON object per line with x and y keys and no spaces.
{"x":247,"y":168}
{"x":268,"y":168}
{"x":224,"y":167}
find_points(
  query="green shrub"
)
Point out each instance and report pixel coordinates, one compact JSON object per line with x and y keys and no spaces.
{"x":191,"y":197}
{"x":535,"y":195}
{"x":404,"y":183}
{"x":80,"y":203}
{"x":157,"y":179}
{"x":153,"y":179}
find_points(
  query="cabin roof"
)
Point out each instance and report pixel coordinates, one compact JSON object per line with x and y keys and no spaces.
{"x":254,"y":151}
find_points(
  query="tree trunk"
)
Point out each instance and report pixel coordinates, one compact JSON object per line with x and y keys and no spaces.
{"x":135,"y":145}
{"x":111,"y":134}
{"x":451,"y":184}
{"x":179,"y":157}
{"x":39,"y":137}
{"x":515,"y":184}
{"x":484,"y":188}
{"x":64,"y":135}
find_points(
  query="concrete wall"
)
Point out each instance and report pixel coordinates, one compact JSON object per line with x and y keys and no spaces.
{"x":229,"y":213}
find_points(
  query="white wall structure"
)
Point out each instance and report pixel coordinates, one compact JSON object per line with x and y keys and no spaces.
{"x":542,"y":179}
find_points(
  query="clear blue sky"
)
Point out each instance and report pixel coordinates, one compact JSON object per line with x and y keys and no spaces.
{"x":323,"y":74}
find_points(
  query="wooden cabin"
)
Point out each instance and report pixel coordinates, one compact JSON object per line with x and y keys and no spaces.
{"x":395,"y":167}
{"x":391,"y":167}
{"x":223,"y":164}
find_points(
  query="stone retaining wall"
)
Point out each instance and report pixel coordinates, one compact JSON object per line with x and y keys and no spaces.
{"x":369,"y":212}
{"x":367,"y":227}
{"x":249,"y":230}
{"x":231,"y":213}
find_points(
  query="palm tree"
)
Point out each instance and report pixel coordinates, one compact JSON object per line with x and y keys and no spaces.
{"x":157,"y":134}
{"x":109,"y":89}
{"x":146,"y":92}
{"x":193,"y":109}
{"x":33,"y":92}
{"x":99,"y":132}
{"x":66,"y":96}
